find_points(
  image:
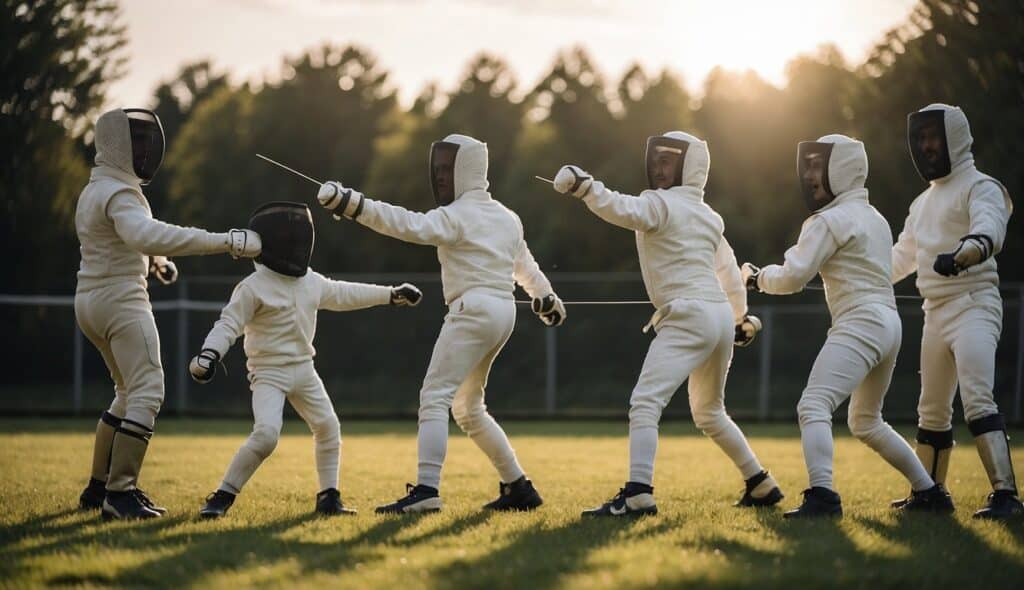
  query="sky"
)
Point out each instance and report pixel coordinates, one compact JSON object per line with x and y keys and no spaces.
{"x":420,"y":41}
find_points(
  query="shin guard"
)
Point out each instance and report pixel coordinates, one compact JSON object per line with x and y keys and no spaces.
{"x":934,"y":448}
{"x":994,"y":449}
{"x":105,"y":430}
{"x":127,"y":453}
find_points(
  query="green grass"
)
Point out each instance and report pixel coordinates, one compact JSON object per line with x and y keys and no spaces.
{"x":270,"y":537}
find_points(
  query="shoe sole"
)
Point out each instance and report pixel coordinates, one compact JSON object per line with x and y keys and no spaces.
{"x":330,"y":514}
{"x":816,"y":515}
{"x":532,"y":505}
{"x":212,"y":515}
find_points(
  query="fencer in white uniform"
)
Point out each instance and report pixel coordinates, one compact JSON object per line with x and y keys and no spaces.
{"x":950,"y":239}
{"x":692,"y":278}
{"x":848,"y":242}
{"x":121,"y":243}
{"x":483,"y":254}
{"x":276,"y":307}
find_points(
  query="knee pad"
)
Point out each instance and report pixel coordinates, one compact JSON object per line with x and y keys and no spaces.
{"x":262,"y":441}
{"x":468,"y":419}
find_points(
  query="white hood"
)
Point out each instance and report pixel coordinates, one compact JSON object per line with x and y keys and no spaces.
{"x":847,"y":164}
{"x":697,"y":160}
{"x":958,"y":134}
{"x":114,"y":142}
{"x":470,"y":170}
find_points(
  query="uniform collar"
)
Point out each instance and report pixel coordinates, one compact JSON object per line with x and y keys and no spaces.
{"x":857,"y":194}
{"x":104,"y":171}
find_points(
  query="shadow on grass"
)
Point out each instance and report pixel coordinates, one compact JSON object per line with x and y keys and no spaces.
{"x":540,"y":557}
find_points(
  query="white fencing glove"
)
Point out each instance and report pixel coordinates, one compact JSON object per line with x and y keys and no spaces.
{"x":244,"y":243}
{"x":748,"y":327}
{"x":749,"y":273}
{"x":163,"y":269}
{"x":549,"y":309}
{"x":203,"y":366}
{"x":406,"y":294}
{"x":340,"y":201}
{"x":573,"y":180}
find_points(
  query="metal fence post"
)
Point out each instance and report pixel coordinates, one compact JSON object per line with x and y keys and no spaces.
{"x":551,"y":378}
{"x":76,"y":389}
{"x":764,"y":392}
{"x":181,"y":358}
{"x":1020,"y":357}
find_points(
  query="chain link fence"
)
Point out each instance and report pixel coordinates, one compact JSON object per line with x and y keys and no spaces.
{"x":372,"y":361}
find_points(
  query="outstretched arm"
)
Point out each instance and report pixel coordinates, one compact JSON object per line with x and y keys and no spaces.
{"x":136,"y":226}
{"x":346,"y":296}
{"x":644,"y":213}
{"x":814,"y":246}
{"x":433,"y":228}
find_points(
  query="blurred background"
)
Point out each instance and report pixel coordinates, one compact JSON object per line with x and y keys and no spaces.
{"x":357,"y":91}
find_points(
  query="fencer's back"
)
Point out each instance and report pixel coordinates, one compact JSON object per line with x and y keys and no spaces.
{"x":859,"y":272}
{"x":106,"y":259}
{"x":677,"y":259}
{"x":484,"y":255}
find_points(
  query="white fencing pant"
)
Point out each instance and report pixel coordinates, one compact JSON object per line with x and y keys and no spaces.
{"x":695,"y":340}
{"x":300,"y":384}
{"x":475,"y":330}
{"x":958,"y":344}
{"x":118,"y":320}
{"x":856,"y":362}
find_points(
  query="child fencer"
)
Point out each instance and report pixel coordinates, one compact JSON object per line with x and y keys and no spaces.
{"x":950,"y":239}
{"x":121,"y":243}
{"x":848,"y":242}
{"x":483,"y":254}
{"x":692,"y":278}
{"x":275,"y":307}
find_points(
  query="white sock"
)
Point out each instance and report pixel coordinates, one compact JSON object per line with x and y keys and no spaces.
{"x":643,"y":445}
{"x":492,"y":440}
{"x":897,"y":452}
{"x":432,"y":443}
{"x":242,"y":466}
{"x":328,"y":458}
{"x":816,"y":438}
{"x":730,"y":439}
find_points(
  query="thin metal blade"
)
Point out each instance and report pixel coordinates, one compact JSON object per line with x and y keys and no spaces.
{"x":292,"y":170}
{"x":545,"y":179}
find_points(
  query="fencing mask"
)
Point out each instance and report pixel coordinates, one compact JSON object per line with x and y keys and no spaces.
{"x":286,"y":231}
{"x":929,"y":146}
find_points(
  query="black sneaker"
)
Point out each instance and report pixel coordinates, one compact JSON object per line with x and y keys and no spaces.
{"x":935,"y":499}
{"x":93,"y":495}
{"x":217,"y":504}
{"x":519,"y":495}
{"x":149,"y":503}
{"x":328,"y":503}
{"x":818,"y":502}
{"x":770,"y":498}
{"x":1002,"y":504}
{"x":419,"y":498}
{"x":126,"y":506}
{"x":635,"y":499}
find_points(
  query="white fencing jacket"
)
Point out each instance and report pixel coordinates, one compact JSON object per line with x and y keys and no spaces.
{"x":962,"y":203}
{"x":683,"y":254}
{"x":114,"y":223}
{"x":277,"y":314}
{"x":479,"y":241}
{"x":847,"y":241}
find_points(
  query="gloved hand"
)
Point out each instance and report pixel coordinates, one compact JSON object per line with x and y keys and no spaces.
{"x":406,"y":294}
{"x":972,"y":250}
{"x":204,"y":365}
{"x":749,"y":274}
{"x":340,"y":201}
{"x":549,"y":309}
{"x":243,"y":243}
{"x":747,"y":329}
{"x":573,"y":180}
{"x":163,"y":269}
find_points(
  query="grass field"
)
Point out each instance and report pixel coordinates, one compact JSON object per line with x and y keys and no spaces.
{"x":698,"y":540}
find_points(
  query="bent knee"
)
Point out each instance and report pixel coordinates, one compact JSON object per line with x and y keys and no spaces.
{"x":863,"y":427}
{"x":263,"y":440}
{"x":814,"y":408}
